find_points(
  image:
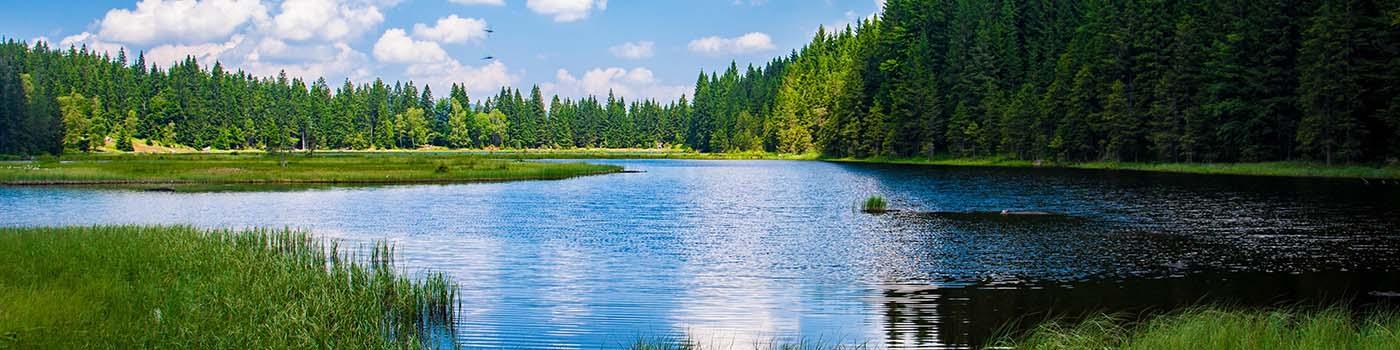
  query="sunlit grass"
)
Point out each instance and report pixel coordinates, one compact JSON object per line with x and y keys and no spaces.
{"x":1224,"y":329}
{"x":358,"y":168}
{"x":128,"y":287}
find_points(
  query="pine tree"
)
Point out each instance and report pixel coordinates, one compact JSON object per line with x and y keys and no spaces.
{"x":1329,"y":91}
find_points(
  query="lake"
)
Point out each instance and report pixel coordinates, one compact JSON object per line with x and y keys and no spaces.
{"x":746,"y":252}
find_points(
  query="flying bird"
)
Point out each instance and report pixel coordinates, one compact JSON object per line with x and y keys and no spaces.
{"x":488,"y":58}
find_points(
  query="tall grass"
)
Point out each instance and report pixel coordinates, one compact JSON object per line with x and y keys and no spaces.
{"x":357,"y":168}
{"x":874,"y":204}
{"x":1217,"y":328}
{"x":180,"y":287}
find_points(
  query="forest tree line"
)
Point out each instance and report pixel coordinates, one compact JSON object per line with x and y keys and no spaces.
{"x":1078,"y":80}
{"x":1075,"y":80}
{"x":76,"y":100}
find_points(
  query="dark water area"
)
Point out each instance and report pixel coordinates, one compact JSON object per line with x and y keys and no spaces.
{"x":745,"y":252}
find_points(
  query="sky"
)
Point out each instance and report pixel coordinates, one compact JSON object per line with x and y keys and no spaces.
{"x":637,"y":48}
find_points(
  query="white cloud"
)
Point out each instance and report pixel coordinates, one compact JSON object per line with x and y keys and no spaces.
{"x":326,"y":20}
{"x":566,"y":10}
{"x":479,"y":2}
{"x":636,"y":83}
{"x":747,"y":43}
{"x":396,"y":47}
{"x":483,"y":80}
{"x":206,"y":54}
{"x":633,"y":50}
{"x":341,"y":62}
{"x":452,"y":29}
{"x":92,"y":42}
{"x":181,"y":21}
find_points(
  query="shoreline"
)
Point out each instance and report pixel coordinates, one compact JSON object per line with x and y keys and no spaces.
{"x":1305,"y":169}
{"x":1270,"y":169}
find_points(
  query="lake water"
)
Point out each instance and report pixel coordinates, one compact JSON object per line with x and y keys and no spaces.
{"x":746,"y":252}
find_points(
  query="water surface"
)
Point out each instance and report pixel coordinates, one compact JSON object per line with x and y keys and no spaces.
{"x":742,"y":252}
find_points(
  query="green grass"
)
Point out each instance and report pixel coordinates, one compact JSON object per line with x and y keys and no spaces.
{"x":604,"y":153}
{"x":1224,"y":329}
{"x":184,"y":288}
{"x":874,"y":204}
{"x":338,"y":168}
{"x":1291,"y":168}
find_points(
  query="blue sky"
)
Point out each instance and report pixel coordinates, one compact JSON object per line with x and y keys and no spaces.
{"x":641,"y":49}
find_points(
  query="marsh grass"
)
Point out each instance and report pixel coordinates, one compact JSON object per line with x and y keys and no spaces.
{"x":355,"y":168}
{"x":186,"y":288}
{"x":1219,"y":328}
{"x":874,"y":204}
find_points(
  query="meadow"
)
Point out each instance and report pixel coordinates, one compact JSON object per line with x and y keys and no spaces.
{"x":259,"y":168}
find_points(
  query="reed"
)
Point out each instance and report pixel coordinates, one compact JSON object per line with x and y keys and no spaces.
{"x":874,"y":204}
{"x":181,"y":287}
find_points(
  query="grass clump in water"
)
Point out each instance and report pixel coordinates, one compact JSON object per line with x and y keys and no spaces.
{"x":874,"y":204}
{"x":1216,"y":328}
{"x":185,"y":288}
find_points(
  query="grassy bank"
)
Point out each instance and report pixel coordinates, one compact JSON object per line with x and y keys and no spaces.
{"x":1296,"y":168}
{"x":1215,"y":328}
{"x":638,"y":153}
{"x":179,"y":287}
{"x":339,"y":168}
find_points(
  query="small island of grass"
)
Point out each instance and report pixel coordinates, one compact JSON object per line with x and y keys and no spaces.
{"x":874,"y":205}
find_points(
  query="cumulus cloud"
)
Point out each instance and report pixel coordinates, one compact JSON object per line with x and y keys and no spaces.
{"x":743,"y":44}
{"x":180,"y":21}
{"x":304,"y":38}
{"x":92,"y":42}
{"x":452,"y":29}
{"x":479,"y":2}
{"x":205,"y":53}
{"x":477,"y":80}
{"x":566,"y":10}
{"x":635,"y":83}
{"x":395,"y":46}
{"x":633,"y":50}
{"x":327,"y":20}
{"x":342,"y":61}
